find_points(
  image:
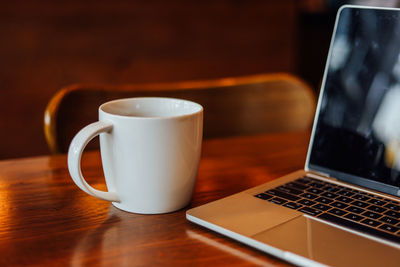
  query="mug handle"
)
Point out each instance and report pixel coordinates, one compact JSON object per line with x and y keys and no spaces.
{"x":78,"y":144}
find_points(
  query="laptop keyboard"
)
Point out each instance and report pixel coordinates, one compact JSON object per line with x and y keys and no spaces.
{"x":340,"y":205}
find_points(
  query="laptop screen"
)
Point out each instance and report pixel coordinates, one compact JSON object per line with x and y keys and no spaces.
{"x":356,"y":135}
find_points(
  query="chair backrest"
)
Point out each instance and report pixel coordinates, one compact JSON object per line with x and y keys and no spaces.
{"x":232,"y":106}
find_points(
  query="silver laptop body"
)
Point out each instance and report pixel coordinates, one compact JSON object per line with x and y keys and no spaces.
{"x":343,"y":208}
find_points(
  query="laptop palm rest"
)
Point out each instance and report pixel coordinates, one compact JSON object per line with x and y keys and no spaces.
{"x":328,"y":244}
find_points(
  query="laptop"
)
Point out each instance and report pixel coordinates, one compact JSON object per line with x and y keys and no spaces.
{"x":343,"y":209}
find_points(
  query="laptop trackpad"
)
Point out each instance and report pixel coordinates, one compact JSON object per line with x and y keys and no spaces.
{"x":327,"y":244}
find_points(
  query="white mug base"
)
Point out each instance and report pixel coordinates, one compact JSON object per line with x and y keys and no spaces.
{"x":147,"y":211}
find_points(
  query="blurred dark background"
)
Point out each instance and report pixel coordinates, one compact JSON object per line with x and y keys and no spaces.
{"x":46,"y":45}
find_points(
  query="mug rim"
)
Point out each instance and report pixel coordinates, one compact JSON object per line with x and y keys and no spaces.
{"x":197,"y":105}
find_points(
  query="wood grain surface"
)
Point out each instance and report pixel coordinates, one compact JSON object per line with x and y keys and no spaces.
{"x":47,"y":220}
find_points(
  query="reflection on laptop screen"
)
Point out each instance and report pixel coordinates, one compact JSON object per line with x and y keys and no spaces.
{"x":358,"y":128}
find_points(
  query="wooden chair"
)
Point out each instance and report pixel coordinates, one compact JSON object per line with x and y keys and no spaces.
{"x":232,"y":106}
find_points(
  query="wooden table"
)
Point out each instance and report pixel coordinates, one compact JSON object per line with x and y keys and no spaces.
{"x":46,"y":220}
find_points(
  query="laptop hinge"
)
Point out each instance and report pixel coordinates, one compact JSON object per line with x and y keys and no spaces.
{"x":320,"y":174}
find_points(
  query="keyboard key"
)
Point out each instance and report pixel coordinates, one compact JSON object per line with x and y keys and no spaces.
{"x":371,"y":214}
{"x":358,"y":227}
{"x":376,"y":209}
{"x":377,"y":202}
{"x":281,"y":194}
{"x":310,"y":211}
{"x":317,"y":185}
{"x":303,"y":180}
{"x":389,"y":220}
{"x":322,"y":207}
{"x":354,"y":209}
{"x":339,"y":205}
{"x":264,"y":196}
{"x":331,"y":189}
{"x":344,"y":199}
{"x":392,"y":206}
{"x":277,"y":200}
{"x":337,"y":212}
{"x":361,"y":197}
{"x":289,"y":190}
{"x":370,"y":222}
{"x":314,"y":190}
{"x":329,"y":183}
{"x":324,"y":200}
{"x":346,"y":193}
{"x":389,"y":228}
{"x":360,"y":204}
{"x":297,"y":186}
{"x":329,"y":195}
{"x":392,"y":213}
{"x":306,"y":202}
{"x":353,"y":217}
{"x":309,"y":195}
{"x":292,"y":205}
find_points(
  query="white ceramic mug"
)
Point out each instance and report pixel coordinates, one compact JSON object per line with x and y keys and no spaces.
{"x":150,"y":151}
